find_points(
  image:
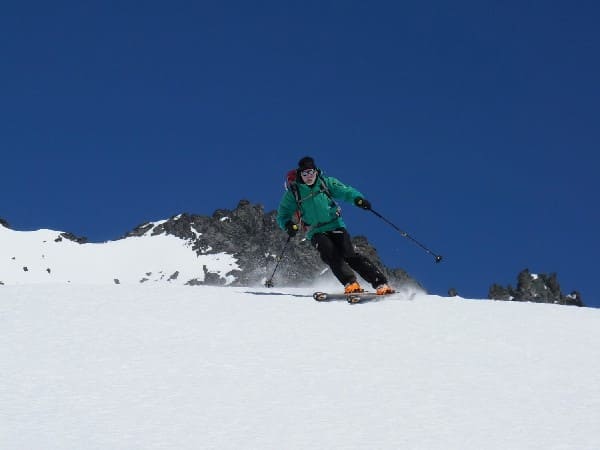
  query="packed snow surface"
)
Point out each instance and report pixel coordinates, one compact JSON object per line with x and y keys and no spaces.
{"x":173,"y":367}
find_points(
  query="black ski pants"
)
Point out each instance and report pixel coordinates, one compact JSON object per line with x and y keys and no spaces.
{"x":337,"y":251}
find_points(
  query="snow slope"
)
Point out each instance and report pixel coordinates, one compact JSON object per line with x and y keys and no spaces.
{"x":172,"y":367}
{"x":42,"y":256}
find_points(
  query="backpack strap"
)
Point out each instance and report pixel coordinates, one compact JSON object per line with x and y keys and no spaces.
{"x":325,"y":190}
{"x":338,"y":212}
{"x":292,"y":186}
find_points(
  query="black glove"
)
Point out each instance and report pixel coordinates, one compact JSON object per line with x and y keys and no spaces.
{"x":362,"y":203}
{"x":291,"y":228}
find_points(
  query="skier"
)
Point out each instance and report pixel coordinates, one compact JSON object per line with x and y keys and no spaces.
{"x":313,"y":196}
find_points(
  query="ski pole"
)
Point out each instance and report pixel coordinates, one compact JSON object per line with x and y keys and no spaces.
{"x":269,"y":282}
{"x":438,"y":258}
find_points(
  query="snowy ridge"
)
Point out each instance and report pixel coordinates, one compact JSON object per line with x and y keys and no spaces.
{"x":44,"y":256}
{"x":238,"y":247}
{"x":156,"y":367}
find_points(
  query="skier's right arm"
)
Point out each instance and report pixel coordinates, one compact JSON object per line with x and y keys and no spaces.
{"x":286,"y":210}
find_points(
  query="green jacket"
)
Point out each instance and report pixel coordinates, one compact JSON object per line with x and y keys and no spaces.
{"x":319,"y":212}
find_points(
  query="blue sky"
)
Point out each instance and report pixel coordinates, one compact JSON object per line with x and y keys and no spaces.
{"x":471,"y":125}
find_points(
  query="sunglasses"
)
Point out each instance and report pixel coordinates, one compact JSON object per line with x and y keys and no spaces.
{"x":308,"y":172}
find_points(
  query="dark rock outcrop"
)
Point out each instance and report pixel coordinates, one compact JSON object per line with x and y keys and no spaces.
{"x":539,"y":288}
{"x":253,"y":237}
{"x":71,"y":237}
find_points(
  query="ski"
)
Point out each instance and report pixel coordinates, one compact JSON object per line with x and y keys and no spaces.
{"x":358,"y":297}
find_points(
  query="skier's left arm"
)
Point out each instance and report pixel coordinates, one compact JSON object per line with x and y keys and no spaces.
{"x":341,"y":191}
